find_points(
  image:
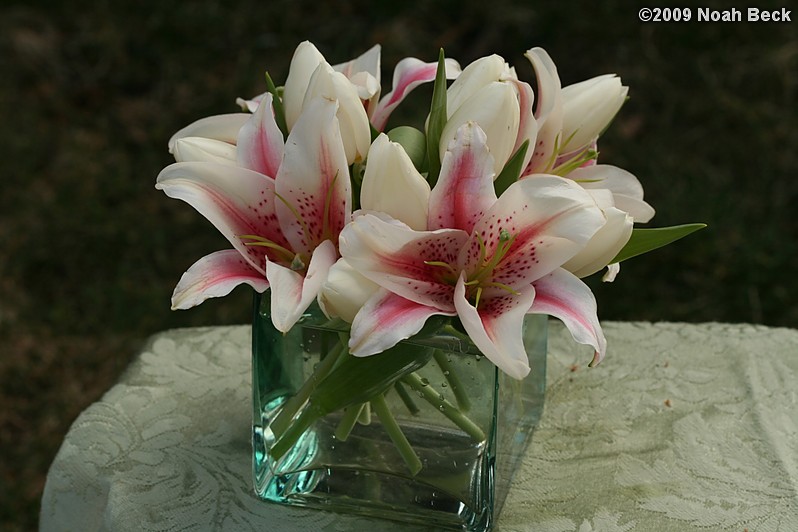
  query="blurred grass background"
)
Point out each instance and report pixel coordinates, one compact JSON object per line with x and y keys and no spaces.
{"x":91,"y":91}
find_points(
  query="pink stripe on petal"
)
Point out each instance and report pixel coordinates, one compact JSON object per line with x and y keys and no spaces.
{"x":385,"y":320}
{"x":496,"y":327}
{"x":235,"y":200}
{"x":292,"y":293}
{"x":464,"y":191}
{"x":215,"y":275}
{"x":313,"y":179}
{"x":399,"y":258}
{"x":408,"y":74}
{"x":260,"y":141}
{"x":550,"y":219}
{"x":562,"y":295}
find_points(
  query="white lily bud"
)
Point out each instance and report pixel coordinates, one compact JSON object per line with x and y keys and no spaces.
{"x":353,"y":121}
{"x":200,"y":149}
{"x":345,"y":291}
{"x":495,"y":109}
{"x":472,"y":79}
{"x":304,"y":63}
{"x":588,"y":108}
{"x":392,"y":185}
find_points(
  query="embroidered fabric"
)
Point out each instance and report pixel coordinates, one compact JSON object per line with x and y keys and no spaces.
{"x":682,"y":427}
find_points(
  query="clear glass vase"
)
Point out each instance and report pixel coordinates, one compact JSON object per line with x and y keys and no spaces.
{"x":437,"y":446}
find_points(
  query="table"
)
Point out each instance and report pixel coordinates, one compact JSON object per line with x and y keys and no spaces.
{"x":682,"y":427}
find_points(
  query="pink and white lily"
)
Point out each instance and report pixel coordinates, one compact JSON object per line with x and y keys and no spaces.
{"x":281,"y":205}
{"x":485,"y":259}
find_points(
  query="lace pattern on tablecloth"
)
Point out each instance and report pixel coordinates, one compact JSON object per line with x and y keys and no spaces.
{"x":682,"y":427}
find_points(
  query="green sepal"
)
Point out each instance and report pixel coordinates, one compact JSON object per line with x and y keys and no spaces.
{"x":277,"y":104}
{"x":413,"y":141}
{"x":512,"y":170}
{"x":645,"y":240}
{"x":437,"y":121}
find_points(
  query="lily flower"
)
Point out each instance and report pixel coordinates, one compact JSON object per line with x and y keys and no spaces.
{"x":282,"y":207}
{"x":489,"y":93}
{"x":310,"y":76}
{"x":485,"y":259}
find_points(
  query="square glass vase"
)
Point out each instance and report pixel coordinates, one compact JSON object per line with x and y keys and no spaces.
{"x":436,"y":444}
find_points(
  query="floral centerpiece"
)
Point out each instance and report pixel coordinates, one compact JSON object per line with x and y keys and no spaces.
{"x":388,"y":262}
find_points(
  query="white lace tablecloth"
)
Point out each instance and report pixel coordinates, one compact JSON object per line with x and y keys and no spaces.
{"x":682,"y":427}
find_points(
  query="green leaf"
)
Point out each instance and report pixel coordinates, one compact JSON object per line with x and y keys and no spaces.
{"x":645,"y":240}
{"x":512,"y":170}
{"x":358,"y":379}
{"x":413,"y":141}
{"x":437,"y":121}
{"x":353,"y":381}
{"x":277,"y":103}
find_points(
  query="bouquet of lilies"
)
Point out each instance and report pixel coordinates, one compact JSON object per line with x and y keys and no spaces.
{"x":496,"y":209}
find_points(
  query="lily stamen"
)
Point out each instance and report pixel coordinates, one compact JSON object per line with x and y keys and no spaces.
{"x":265,"y":242}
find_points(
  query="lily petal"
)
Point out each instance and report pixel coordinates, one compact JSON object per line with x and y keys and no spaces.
{"x":548,"y":113}
{"x":251,"y":104}
{"x":588,"y":108}
{"x":235,"y":200}
{"x":364,"y":73}
{"x":220,"y":127}
{"x":549,"y":219}
{"x":385,"y":320}
{"x":260,"y":141}
{"x":464,"y":191}
{"x":392,"y":185}
{"x":312,"y":184}
{"x":408,"y":74}
{"x":473,"y":78}
{"x":215,"y":275}
{"x":200,"y":149}
{"x":561,"y":294}
{"x":495,"y":108}
{"x":352,"y":119}
{"x":303,"y":64}
{"x":293,"y":293}
{"x":527,"y":125}
{"x":401,"y":260}
{"x":627,"y":192}
{"x":604,"y":245}
{"x":344,"y":292}
{"x":495,"y":327}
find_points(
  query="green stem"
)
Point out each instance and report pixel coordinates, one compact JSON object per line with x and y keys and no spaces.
{"x":450,"y":373}
{"x":365,"y":415}
{"x":348,"y":420}
{"x":405,"y":397}
{"x":397,"y":436}
{"x":295,"y":430}
{"x":293,"y":404}
{"x":447,"y":409}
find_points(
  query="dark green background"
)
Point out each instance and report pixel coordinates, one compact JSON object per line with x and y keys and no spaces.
{"x":91,"y":91}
